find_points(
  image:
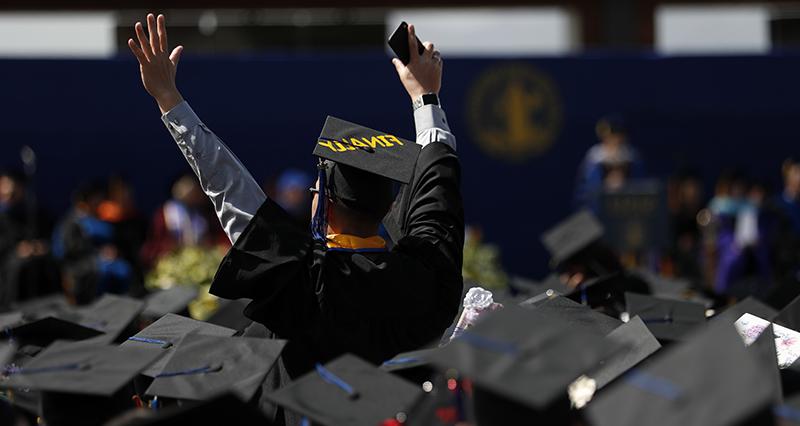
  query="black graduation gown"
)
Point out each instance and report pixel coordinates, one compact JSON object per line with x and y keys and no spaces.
{"x":374,"y":305}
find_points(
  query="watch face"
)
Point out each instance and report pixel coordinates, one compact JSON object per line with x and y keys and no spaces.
{"x":430,"y":99}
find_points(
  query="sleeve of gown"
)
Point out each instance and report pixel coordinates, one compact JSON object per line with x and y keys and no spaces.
{"x":429,"y":210}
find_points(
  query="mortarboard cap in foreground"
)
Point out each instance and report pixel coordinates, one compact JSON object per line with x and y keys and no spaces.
{"x":78,"y":382}
{"x":639,"y":344}
{"x":577,"y":316}
{"x":164,"y":335}
{"x":348,"y":391}
{"x":79,"y":368}
{"x":669,"y":320}
{"x":749,"y":305}
{"x":571,"y":236}
{"x":524,"y":355}
{"x":203,"y":366}
{"x":710,"y":379}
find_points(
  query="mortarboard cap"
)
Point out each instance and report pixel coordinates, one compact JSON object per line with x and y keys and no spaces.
{"x":45,"y":331}
{"x":606,"y":292}
{"x":363,"y":163}
{"x":372,"y":151}
{"x":577,"y":316}
{"x":203,"y":366}
{"x":669,"y":320}
{"x":112,"y":315}
{"x":79,"y":368}
{"x":164,"y":335}
{"x":174,"y":300}
{"x":749,"y":305}
{"x":524,"y":355}
{"x":711,"y":379}
{"x":348,"y":391}
{"x":76,"y":382}
{"x":571,"y":236}
{"x":639,"y":344}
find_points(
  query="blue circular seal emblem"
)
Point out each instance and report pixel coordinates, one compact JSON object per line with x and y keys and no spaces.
{"x":514,"y":111}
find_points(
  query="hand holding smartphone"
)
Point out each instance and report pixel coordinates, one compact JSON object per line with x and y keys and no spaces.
{"x":398,"y":41}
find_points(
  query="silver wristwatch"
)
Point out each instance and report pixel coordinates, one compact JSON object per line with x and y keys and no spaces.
{"x":426,"y":99}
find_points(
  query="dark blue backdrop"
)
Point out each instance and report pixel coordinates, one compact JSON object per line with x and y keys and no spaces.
{"x":91,"y":118}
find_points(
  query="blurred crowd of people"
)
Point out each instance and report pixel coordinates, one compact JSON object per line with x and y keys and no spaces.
{"x":743,"y":240}
{"x":104,"y":243}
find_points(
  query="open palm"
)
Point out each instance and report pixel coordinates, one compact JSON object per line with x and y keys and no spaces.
{"x":156,"y":64}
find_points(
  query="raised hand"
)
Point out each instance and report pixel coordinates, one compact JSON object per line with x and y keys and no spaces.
{"x":423,"y":74}
{"x":156,"y":65}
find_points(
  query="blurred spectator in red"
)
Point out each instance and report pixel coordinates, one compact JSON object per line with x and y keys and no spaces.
{"x":130,"y":227}
{"x":86,"y":245}
{"x":183,"y":220}
{"x":27,"y":269}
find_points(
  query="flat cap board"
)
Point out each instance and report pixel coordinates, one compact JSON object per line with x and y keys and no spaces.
{"x":366,"y":149}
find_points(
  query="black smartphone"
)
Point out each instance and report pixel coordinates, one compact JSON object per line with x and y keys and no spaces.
{"x":399,"y":43}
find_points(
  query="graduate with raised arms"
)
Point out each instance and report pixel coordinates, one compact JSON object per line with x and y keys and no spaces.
{"x":337,"y":287}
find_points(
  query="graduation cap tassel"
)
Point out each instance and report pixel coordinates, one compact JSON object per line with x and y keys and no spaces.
{"x":319,"y":227}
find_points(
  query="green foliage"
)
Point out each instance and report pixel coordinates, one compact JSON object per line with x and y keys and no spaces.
{"x":482,"y":263}
{"x":191,"y":266}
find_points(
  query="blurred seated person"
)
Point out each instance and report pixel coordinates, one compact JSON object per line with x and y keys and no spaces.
{"x":181,"y":221}
{"x":291,"y":192}
{"x":741,"y":256}
{"x":785,"y":232}
{"x":609,"y":164}
{"x":85,"y":244}
{"x":789,"y":199}
{"x":27,"y":269}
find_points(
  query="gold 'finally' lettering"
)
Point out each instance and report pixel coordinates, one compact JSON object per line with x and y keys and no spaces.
{"x":358,"y":143}
{"x":329,"y":145}
{"x":343,"y":148}
{"x":351,"y":144}
{"x":394,"y":139}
